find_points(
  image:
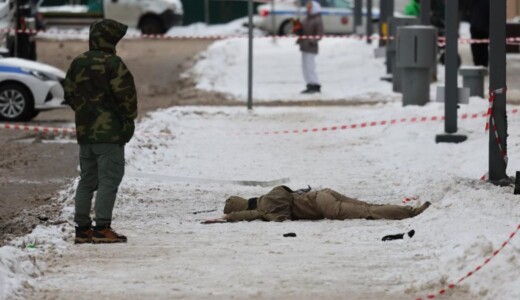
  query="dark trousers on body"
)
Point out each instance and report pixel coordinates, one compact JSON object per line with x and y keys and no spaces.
{"x":102,"y":170}
{"x":480,"y":51}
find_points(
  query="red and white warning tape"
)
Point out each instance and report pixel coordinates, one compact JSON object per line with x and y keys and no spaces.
{"x":71,"y":131}
{"x":21,"y":127}
{"x":413,"y":120}
{"x":492,"y":96}
{"x":471,"y":273}
{"x":442,"y":40}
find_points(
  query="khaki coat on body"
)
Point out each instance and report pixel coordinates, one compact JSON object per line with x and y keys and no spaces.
{"x":282,"y":204}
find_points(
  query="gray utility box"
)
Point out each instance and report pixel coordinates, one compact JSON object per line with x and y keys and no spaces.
{"x":391,"y":47}
{"x":473,"y":79}
{"x":416,"y":55}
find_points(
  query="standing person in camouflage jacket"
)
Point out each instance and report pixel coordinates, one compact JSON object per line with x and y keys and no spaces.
{"x":101,"y":91}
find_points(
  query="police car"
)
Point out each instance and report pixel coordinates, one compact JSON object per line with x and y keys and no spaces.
{"x":28,"y":87}
{"x":337,"y":15}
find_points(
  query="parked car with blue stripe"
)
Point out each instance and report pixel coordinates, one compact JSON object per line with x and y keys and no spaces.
{"x":28,"y":87}
{"x":337,"y":15}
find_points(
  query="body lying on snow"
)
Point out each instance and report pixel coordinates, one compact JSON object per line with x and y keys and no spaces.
{"x":282,"y":204}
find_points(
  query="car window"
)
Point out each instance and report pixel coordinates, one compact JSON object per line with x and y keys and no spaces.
{"x":341,"y":3}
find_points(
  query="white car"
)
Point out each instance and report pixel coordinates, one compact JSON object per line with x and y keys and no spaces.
{"x":28,"y":87}
{"x":151,"y":16}
{"x":337,"y":15}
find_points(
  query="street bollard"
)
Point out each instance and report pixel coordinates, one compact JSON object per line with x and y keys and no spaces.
{"x":391,"y":48}
{"x":416,"y":55}
{"x":473,"y":78}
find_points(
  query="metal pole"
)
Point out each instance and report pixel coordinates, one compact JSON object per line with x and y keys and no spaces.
{"x":273,"y":20}
{"x":451,"y":91}
{"x":250,"y":62}
{"x":452,"y":50}
{"x":426,"y":20}
{"x":497,"y":80}
{"x":390,"y":7}
{"x":383,"y":14}
{"x":386,"y":8}
{"x":369,"y":21}
{"x":426,"y":12}
{"x":358,"y":14}
{"x":206,"y":11}
{"x":17,"y":26}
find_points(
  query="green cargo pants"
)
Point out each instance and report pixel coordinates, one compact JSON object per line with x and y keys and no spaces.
{"x":102,"y":170}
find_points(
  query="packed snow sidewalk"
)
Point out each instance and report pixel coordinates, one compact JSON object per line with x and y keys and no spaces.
{"x":171,"y":255}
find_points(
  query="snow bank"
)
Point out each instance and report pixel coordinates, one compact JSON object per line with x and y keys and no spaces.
{"x":64,"y":9}
{"x":235,"y":27}
{"x":232,"y":28}
{"x":21,"y":260}
{"x":347,"y":69}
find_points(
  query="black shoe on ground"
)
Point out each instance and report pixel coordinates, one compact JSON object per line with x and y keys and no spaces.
{"x":105,"y":234}
{"x":308,"y":90}
{"x":317,"y":88}
{"x":84,"y":234}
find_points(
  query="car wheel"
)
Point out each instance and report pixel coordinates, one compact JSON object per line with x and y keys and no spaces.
{"x":152,"y":25}
{"x":34,"y":114}
{"x":16,"y":103}
{"x":286,"y":28}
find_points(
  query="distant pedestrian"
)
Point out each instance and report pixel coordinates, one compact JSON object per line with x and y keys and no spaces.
{"x":101,"y":91}
{"x":312,"y":26}
{"x":479,"y":20}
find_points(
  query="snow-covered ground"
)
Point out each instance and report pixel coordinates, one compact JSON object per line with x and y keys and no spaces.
{"x":235,"y":27}
{"x":170,"y":254}
{"x":64,"y":9}
{"x":347,"y":69}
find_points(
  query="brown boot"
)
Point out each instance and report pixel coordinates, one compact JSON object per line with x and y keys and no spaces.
{"x":105,"y":234}
{"x":420,"y":209}
{"x":84,"y":234}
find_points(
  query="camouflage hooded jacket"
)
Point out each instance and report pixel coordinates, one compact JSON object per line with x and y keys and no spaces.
{"x":100,"y":89}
